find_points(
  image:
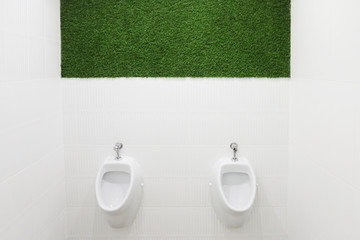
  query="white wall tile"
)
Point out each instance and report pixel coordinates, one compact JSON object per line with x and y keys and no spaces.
{"x":326,"y":47}
{"x":14,"y":16}
{"x":176,"y":129}
{"x":356,"y":166}
{"x":184,"y":95}
{"x":14,"y":57}
{"x":324,"y":98}
{"x":80,"y":238}
{"x":35,"y":18}
{"x":246,"y":128}
{"x":83,"y":95}
{"x":146,"y":128}
{"x":26,"y":187}
{"x":272,"y":191}
{"x":177,"y":192}
{"x":252,"y":227}
{"x":36,"y":57}
{"x":186,"y":221}
{"x":52,"y":59}
{"x":102,"y":230}
{"x":56,"y":230}
{"x":32,"y":184}
{"x":80,"y":192}
{"x":42,"y":99}
{"x":84,"y":161}
{"x":27,"y":143}
{"x":274,"y":220}
{"x":80,"y":222}
{"x":46,"y":209}
{"x":52,"y":19}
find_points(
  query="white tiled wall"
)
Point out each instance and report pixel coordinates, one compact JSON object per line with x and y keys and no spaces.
{"x":324,"y":179}
{"x":324,"y":175}
{"x":32,"y":189}
{"x":176,"y":129}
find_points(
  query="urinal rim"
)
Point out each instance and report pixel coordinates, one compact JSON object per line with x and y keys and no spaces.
{"x":219,"y":173}
{"x":124,"y":161}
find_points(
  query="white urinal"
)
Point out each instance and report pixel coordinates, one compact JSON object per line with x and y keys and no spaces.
{"x":233,"y":190}
{"x":119,"y":190}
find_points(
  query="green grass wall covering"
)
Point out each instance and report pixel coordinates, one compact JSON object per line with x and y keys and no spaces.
{"x":175,"y":38}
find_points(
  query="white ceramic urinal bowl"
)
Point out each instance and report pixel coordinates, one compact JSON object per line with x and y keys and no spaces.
{"x":119,"y":190}
{"x":233,"y":190}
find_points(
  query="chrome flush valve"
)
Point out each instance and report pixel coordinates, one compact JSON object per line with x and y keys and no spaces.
{"x":234,"y":147}
{"x":117,"y":148}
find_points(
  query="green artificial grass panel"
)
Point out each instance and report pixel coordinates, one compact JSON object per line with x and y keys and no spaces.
{"x":175,"y":38}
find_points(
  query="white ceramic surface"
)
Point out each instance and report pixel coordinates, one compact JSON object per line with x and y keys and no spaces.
{"x":233,"y":190}
{"x":119,"y":190}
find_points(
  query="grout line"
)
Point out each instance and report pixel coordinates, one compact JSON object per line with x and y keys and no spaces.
{"x":48,"y":225}
{"x":55,"y":114}
{"x":41,"y":159}
{"x":74,"y":110}
{"x":242,"y":146}
{"x":341,"y":179}
{"x":30,"y":81}
{"x":31,"y":205}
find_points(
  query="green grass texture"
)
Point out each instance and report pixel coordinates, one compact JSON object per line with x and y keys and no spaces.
{"x":175,"y":38}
